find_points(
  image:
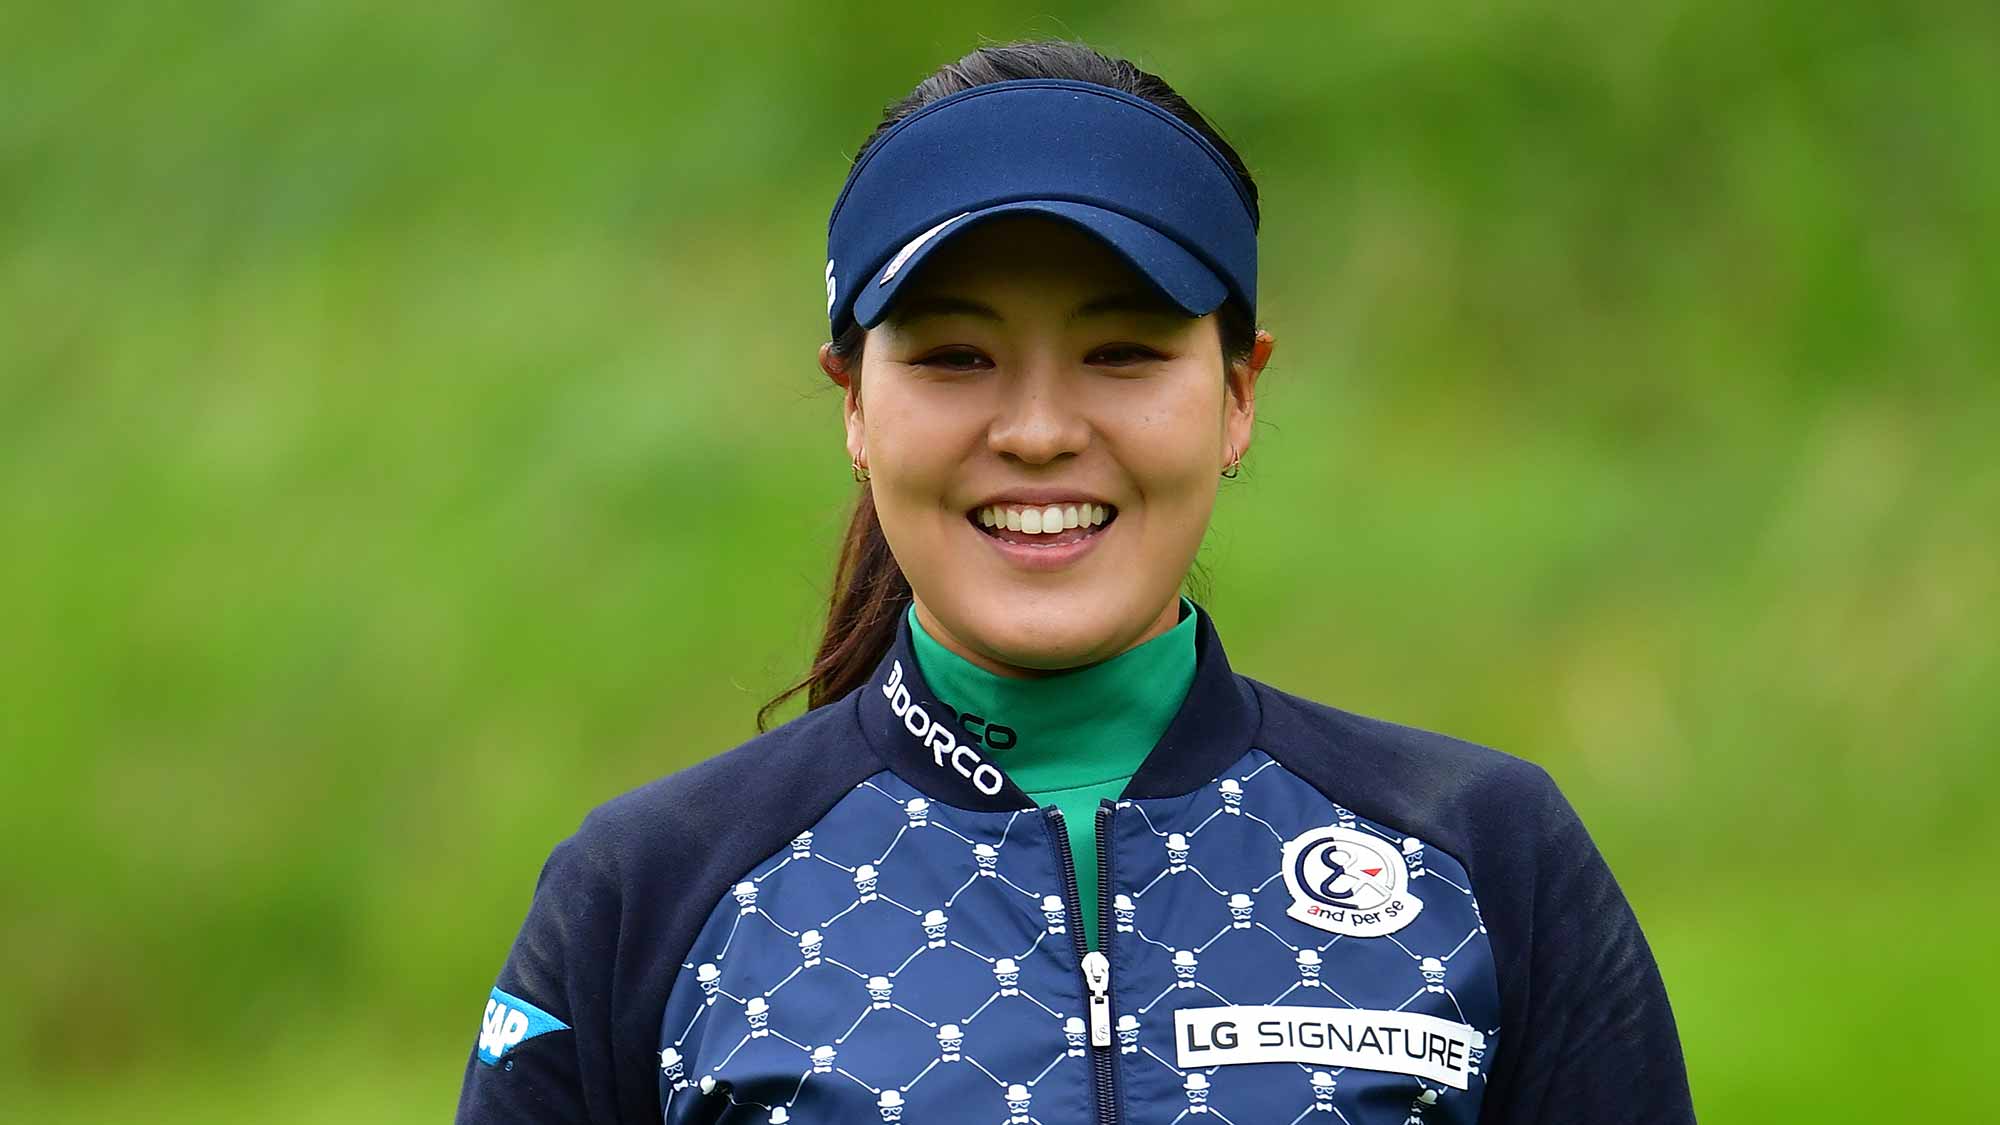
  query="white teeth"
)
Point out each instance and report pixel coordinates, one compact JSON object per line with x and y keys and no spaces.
{"x":1046,"y":520}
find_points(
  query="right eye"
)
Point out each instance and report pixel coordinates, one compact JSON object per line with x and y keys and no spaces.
{"x":953,"y":359}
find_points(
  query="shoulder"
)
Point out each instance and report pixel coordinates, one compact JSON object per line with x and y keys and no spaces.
{"x":629,"y":890}
{"x":731,"y":809}
{"x":1568,"y":954}
{"x":621,"y":900}
{"x":1446,"y":789}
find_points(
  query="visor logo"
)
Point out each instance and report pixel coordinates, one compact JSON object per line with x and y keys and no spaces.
{"x":913,"y":245}
{"x":1345,"y":881}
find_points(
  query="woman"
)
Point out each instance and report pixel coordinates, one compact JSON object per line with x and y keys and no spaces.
{"x":1035,"y":853}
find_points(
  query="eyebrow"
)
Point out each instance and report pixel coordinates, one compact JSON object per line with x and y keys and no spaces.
{"x":1146,"y":304}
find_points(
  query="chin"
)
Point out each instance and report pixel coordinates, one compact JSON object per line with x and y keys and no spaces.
{"x":1049,"y":633}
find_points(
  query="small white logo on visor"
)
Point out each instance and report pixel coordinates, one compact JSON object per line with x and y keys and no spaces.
{"x":913,"y":245}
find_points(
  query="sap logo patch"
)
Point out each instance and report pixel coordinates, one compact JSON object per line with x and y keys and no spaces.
{"x":511,"y":1021}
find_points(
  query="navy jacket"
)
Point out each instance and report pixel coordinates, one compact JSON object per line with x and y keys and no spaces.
{"x":1308,"y":915}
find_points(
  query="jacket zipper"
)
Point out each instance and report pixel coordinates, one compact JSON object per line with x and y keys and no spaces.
{"x":1095,"y":966}
{"x":1107,"y":924}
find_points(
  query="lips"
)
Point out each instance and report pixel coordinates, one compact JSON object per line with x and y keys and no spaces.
{"x":1046,"y":550}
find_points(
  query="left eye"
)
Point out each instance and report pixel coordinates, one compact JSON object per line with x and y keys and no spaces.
{"x":1121,"y":354}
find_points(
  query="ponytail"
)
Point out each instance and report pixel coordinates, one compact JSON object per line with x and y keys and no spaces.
{"x":869,"y":594}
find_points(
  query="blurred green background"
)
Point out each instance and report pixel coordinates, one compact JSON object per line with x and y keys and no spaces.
{"x":410,"y":437}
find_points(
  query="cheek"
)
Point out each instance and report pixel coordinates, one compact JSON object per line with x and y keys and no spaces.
{"x":914,"y":450}
{"x":1168,"y":442}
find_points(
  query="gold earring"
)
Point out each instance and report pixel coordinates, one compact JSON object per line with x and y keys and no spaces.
{"x":860,"y":473}
{"x":1235,"y":464}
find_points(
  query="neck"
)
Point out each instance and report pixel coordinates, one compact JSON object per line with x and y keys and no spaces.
{"x":1072,"y":726}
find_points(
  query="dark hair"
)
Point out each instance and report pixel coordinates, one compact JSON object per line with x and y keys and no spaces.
{"x":869,"y":590}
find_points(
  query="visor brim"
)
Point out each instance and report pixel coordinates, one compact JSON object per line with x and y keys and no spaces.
{"x":1164,"y":263}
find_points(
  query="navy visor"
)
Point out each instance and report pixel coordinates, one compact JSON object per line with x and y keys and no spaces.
{"x":1117,"y":166}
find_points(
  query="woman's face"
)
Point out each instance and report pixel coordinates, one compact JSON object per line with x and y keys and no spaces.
{"x":1026,"y":368}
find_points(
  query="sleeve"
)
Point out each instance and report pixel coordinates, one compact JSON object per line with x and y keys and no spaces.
{"x":543,"y":1052}
{"x":1594,"y":1038}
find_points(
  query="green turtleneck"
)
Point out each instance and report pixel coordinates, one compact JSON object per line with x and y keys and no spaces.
{"x":1077,"y":736}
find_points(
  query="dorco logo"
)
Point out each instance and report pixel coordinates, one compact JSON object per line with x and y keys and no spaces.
{"x":508,"y":1021}
{"x":936,"y":737}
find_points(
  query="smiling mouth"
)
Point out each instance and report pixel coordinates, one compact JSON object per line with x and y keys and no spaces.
{"x":1049,"y":525}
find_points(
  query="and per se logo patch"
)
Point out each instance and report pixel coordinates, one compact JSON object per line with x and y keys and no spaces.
{"x":1345,"y":881}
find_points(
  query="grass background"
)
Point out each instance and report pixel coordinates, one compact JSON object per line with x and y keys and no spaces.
{"x":410,"y":437}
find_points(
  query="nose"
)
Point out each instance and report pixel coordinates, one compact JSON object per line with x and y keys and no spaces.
{"x":1039,"y":417}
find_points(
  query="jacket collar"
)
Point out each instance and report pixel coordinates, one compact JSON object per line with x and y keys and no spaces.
{"x":923,"y":742}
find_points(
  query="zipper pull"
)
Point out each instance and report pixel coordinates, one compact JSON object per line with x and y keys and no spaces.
{"x":1097,"y":974}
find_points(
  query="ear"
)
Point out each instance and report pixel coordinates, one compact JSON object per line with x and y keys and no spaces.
{"x":850,"y":407}
{"x":1239,"y":408}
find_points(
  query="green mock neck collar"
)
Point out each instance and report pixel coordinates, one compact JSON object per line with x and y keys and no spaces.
{"x":1085,"y":726}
